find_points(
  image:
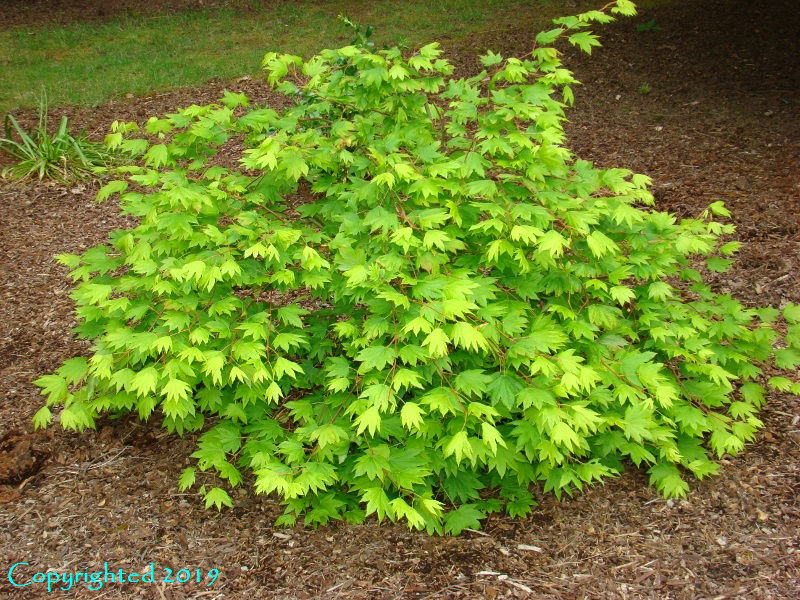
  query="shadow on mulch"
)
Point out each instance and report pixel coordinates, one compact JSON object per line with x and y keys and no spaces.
{"x":721,"y":122}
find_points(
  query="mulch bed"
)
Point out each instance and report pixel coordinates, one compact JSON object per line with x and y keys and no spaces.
{"x":722,"y":121}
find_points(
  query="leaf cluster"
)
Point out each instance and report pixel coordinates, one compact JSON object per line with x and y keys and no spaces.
{"x":410,"y":299}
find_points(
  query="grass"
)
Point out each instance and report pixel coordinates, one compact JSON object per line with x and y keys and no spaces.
{"x":87,"y":63}
{"x":60,"y":155}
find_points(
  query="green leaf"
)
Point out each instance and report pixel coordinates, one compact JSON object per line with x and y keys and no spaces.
{"x":718,"y":265}
{"x":459,"y":446}
{"x":473,"y":382}
{"x":145,"y":381}
{"x":42,"y":418}
{"x":546,"y":38}
{"x":787,"y":358}
{"x":290,"y":315}
{"x":328,"y":435}
{"x":176,"y":389}
{"x":294,"y":165}
{"x":218,"y":497}
{"x":563,"y":435}
{"x":232,"y":99}
{"x":157,"y":156}
{"x":369,"y":420}
{"x":434,"y":238}
{"x":482,"y":187}
{"x":436,"y":342}
{"x":637,"y":423}
{"x":282,"y":367}
{"x":490,"y":59}
{"x":375,"y":357}
{"x":411,"y":415}
{"x":730,"y":248}
{"x":584,"y":40}
{"x":622,"y":294}
{"x":503,"y":389}
{"x":553,"y":243}
{"x":76,"y":417}
{"x":95,"y":293}
{"x":377,"y":502}
{"x":187,"y":479}
{"x":467,"y":516}
{"x":74,"y":369}
{"x":109,"y":189}
{"x":791,"y":313}
{"x":468,"y":337}
{"x":780,"y":383}
{"x":406,"y":378}
{"x":154,"y":126}
{"x":667,"y":478}
{"x":54,"y":386}
{"x":624,"y":7}
{"x":718,"y":208}
{"x":491,"y":437}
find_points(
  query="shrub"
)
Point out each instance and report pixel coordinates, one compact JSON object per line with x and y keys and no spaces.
{"x":60,"y":156}
{"x":413,"y":301}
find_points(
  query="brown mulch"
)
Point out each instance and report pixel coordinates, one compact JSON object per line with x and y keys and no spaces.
{"x":721,"y":122}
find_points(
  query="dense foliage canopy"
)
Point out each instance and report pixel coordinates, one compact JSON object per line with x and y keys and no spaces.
{"x":410,"y":299}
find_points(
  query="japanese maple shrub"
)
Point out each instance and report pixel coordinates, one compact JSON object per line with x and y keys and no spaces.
{"x":411,"y":300}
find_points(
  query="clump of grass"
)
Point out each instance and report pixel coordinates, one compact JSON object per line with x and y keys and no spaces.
{"x":60,"y":156}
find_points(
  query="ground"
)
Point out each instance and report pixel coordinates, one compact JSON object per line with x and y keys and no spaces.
{"x":721,"y":120}
{"x":35,"y":12}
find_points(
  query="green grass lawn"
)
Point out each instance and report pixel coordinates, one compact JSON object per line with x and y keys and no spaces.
{"x":87,"y":63}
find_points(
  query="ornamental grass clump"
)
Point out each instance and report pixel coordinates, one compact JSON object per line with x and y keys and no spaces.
{"x":412,"y":301}
{"x":59,"y":155}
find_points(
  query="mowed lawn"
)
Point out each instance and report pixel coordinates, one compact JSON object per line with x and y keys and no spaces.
{"x":86,"y":63}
